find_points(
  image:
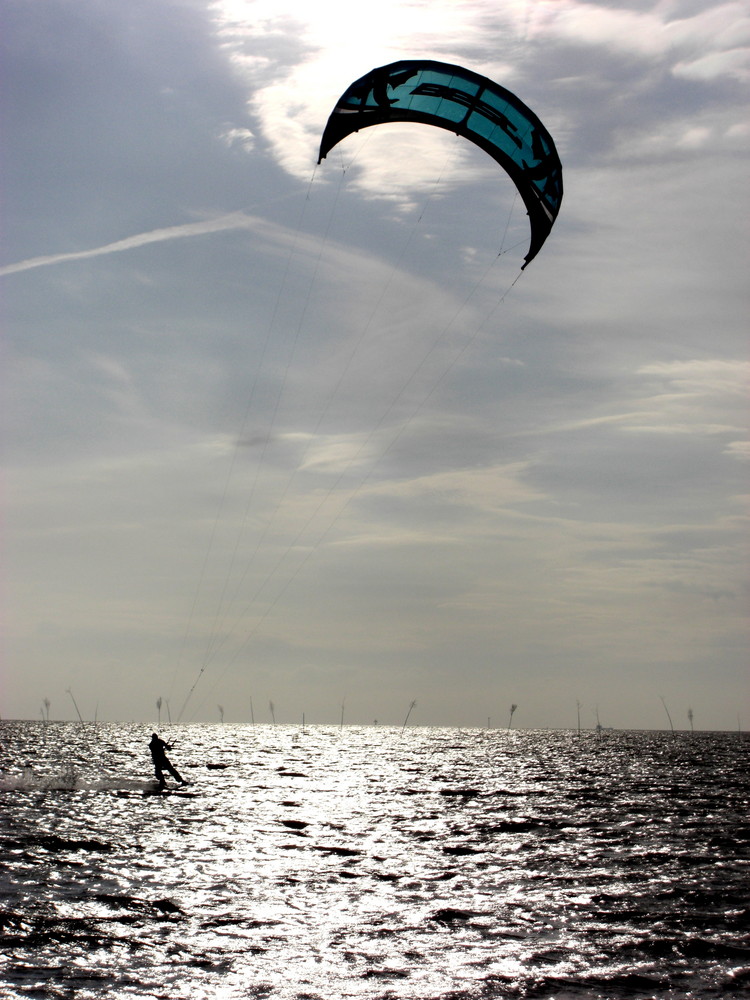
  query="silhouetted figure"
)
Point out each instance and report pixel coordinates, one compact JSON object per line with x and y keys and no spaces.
{"x":162,"y":763}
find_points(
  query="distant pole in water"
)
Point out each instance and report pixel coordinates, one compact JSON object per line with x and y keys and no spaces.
{"x":47,"y":704}
{"x":252,"y":714}
{"x":671,"y":726}
{"x":578,"y":710}
{"x":169,"y":714}
{"x":690,"y":719}
{"x":513,"y":707}
{"x":80,"y":717}
{"x":273,"y":713}
{"x":221,"y":712}
{"x":407,"y":715}
{"x":158,"y":712}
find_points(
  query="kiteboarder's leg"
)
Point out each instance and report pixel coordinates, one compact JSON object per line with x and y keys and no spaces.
{"x":173,"y":771}
{"x":160,"y":776}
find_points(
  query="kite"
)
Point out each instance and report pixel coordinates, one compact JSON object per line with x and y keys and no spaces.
{"x":457,"y":99}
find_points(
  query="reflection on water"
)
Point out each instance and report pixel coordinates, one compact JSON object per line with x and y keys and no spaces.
{"x":371,"y":863}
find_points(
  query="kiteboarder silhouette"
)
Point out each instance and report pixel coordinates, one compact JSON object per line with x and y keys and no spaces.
{"x":162,"y":763}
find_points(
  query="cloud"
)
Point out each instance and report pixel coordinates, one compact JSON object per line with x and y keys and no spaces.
{"x":686,"y":42}
{"x":242,"y":137}
{"x":706,"y":397}
{"x":338,"y":453}
{"x":235,"y":220}
{"x":489,"y":490}
{"x":703,"y":376}
{"x":734,"y":63}
{"x":739,"y":450}
{"x":696,"y":397}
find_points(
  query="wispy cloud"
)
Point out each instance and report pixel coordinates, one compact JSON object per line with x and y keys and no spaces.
{"x":696,"y":397}
{"x":709,"y":44}
{"x":234,"y":220}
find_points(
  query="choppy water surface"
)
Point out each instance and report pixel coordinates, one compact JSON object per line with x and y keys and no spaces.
{"x":370,"y":863}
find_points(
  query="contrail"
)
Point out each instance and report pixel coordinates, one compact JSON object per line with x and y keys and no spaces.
{"x":236,"y":220}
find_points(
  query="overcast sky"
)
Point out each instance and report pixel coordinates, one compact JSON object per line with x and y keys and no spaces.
{"x":282,"y":432}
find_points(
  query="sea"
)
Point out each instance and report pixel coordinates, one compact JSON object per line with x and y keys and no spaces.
{"x":378,"y":863}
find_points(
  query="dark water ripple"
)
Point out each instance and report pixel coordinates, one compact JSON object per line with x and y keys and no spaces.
{"x":368,"y":863}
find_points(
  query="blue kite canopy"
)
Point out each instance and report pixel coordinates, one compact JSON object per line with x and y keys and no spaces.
{"x":457,"y":99}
